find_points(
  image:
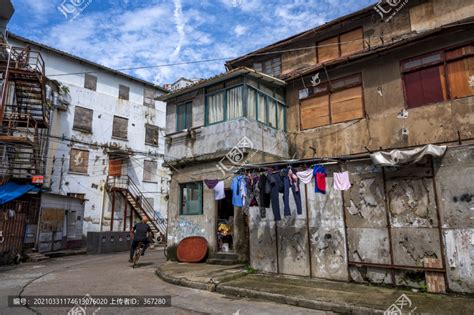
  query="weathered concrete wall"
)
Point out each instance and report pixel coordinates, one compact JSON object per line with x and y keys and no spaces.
{"x":383,"y":101}
{"x":327,"y":231}
{"x":262,"y":235}
{"x":218,"y":139}
{"x":455,"y":187}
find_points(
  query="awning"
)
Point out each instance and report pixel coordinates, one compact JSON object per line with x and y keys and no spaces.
{"x":401,"y":157}
{"x":11,"y":191}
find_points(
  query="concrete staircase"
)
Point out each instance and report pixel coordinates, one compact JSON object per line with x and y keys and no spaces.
{"x":35,"y":256}
{"x":225,"y":258}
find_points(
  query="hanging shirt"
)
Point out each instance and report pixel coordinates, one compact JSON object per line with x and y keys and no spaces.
{"x":305,"y":176}
{"x":320,"y":174}
{"x":219,"y":192}
{"x":341,"y":181}
{"x":211,"y":183}
{"x":238,"y":191}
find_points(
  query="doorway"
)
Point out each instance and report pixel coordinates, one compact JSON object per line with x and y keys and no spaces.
{"x":225,"y":223}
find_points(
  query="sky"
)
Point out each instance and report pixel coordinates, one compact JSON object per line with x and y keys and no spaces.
{"x":138,"y":33}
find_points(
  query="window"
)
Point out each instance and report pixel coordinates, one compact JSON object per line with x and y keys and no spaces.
{"x":120,"y":128}
{"x":339,"y":46}
{"x":266,"y":106}
{"x":151,"y":135}
{"x":215,"y":108}
{"x":190,"y":199}
{"x":83,"y":119}
{"x":184,"y":116}
{"x":270,"y":66}
{"x":149,"y":97}
{"x":329,"y":104}
{"x":149,"y":171}
{"x":77,"y":195}
{"x":438,"y":76}
{"x":79,"y":161}
{"x":124,"y":92}
{"x":90,"y":82}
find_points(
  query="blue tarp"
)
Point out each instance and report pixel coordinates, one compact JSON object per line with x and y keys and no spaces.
{"x":11,"y":191}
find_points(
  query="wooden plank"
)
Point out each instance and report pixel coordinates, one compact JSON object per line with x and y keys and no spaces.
{"x":347,"y":105}
{"x":352,"y":42}
{"x":328,"y":49}
{"x":435,"y":281}
{"x":458,"y":76}
{"x":315,"y":112}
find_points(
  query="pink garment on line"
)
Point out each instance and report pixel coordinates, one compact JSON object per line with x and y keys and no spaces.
{"x":341,"y":181}
{"x":305,"y":176}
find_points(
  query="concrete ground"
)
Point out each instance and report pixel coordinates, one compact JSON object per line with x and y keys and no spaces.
{"x":340,"y":297}
{"x":112,"y":275}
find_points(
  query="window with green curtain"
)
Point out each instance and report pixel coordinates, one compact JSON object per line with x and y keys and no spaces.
{"x":234,"y":103}
{"x":281,"y":117}
{"x":272,"y":112}
{"x":184,"y":116}
{"x":262,"y":108}
{"x":251,"y":103}
{"x":191,"y":199}
{"x":215,"y":107}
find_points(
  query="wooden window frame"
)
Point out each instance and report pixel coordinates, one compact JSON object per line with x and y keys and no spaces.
{"x":157,"y":138}
{"x":78,"y":128}
{"x":329,"y":91}
{"x":180,"y":200}
{"x":185,"y":104}
{"x":339,"y":44}
{"x":443,"y":62}
{"x":86,"y":86}
{"x":113,"y":128}
{"x":272,"y":65}
{"x":124,"y":96}
{"x":145,"y":97}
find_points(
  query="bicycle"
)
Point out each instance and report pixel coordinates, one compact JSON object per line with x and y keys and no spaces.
{"x":137,"y":254}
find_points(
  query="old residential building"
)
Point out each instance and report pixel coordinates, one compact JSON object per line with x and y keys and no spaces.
{"x":107,"y":142}
{"x":397,"y":76}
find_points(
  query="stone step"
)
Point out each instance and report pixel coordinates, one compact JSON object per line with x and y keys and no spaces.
{"x":225,"y":255}
{"x":225,"y":262}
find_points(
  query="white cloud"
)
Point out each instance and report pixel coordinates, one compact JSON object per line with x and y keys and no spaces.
{"x":240,"y":30}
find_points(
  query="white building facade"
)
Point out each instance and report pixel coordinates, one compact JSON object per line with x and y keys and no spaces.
{"x":108,"y":133}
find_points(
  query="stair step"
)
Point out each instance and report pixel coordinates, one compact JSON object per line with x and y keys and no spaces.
{"x":225,"y":255}
{"x":226,"y":262}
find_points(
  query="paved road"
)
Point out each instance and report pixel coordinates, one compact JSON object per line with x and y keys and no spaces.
{"x":112,"y":275}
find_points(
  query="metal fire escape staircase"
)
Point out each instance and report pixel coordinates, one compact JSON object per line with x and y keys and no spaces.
{"x":23,"y":113}
{"x":125,"y":186}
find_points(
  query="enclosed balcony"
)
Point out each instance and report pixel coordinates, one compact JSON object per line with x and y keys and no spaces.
{"x":213,"y":117}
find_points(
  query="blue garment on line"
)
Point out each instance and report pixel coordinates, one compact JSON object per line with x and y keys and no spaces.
{"x":238,"y":190}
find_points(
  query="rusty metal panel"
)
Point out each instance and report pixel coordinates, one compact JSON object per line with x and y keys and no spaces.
{"x":90,"y":82}
{"x":120,"y":128}
{"x":79,"y":161}
{"x":12,"y":233}
{"x":149,"y":171}
{"x":152,"y":134}
{"x":83,"y":119}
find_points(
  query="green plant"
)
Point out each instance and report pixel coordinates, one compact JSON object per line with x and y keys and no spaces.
{"x":249,"y":270}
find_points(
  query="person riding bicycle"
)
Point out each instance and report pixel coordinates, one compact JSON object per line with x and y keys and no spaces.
{"x":140,"y":233}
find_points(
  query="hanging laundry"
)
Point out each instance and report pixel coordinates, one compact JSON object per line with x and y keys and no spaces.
{"x":320,"y":174}
{"x":291,"y":180}
{"x":263,"y":196}
{"x":211,"y":183}
{"x":275,"y":182}
{"x":219,"y":192}
{"x":238,"y":187}
{"x":341,"y":181}
{"x":251,"y":183}
{"x":217,"y":186}
{"x":305,"y":176}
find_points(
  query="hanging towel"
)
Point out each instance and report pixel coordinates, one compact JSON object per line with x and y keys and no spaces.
{"x":305,"y":176}
{"x":341,"y":181}
{"x":219,"y":192}
{"x":211,"y":183}
{"x":320,"y":174}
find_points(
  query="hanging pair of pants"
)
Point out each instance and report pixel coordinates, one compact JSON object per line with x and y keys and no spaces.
{"x":296,"y":196}
{"x":276,"y":184}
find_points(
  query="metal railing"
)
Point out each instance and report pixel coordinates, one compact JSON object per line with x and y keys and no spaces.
{"x":125,"y":182}
{"x":23,"y":58}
